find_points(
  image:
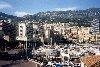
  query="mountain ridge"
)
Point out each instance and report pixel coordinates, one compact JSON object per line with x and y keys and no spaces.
{"x":77,"y":17}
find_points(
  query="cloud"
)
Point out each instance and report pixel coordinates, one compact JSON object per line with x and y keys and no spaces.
{"x":65,"y":9}
{"x":5,"y":5}
{"x":20,"y":13}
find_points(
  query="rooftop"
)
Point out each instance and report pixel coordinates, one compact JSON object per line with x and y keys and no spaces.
{"x":90,"y":60}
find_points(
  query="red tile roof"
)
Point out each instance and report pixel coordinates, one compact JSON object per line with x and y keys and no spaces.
{"x":90,"y":60}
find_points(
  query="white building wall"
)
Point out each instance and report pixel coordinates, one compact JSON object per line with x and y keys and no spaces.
{"x":47,"y":33}
{"x":22,"y":29}
{"x":82,"y":64}
{"x":35,"y":26}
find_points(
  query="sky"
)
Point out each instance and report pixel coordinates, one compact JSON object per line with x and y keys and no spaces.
{"x":24,"y":7}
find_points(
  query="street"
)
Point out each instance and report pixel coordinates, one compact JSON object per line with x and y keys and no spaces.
{"x":17,"y":64}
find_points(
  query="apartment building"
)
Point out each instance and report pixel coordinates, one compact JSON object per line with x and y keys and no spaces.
{"x":1,"y":31}
{"x":84,"y":34}
{"x":92,"y":38}
{"x":74,"y":32}
{"x":21,"y":32}
{"x":95,"y":29}
{"x":59,"y":27}
{"x":97,"y":37}
{"x":28,"y":30}
{"x":1,"y":24}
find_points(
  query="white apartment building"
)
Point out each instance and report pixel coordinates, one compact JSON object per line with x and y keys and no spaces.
{"x":95,"y":29}
{"x":47,"y":33}
{"x":1,"y":24}
{"x":21,"y":31}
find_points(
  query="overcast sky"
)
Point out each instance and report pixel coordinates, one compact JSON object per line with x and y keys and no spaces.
{"x":23,"y":7}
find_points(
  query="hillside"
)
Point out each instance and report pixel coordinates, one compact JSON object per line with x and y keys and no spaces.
{"x":78,"y":17}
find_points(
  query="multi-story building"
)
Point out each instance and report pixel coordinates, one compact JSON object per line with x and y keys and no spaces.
{"x":21,"y":32}
{"x":27,"y":31}
{"x":52,"y":30}
{"x":92,"y":38}
{"x":36,"y":29}
{"x":98,"y":38}
{"x":1,"y":31}
{"x":47,"y":33}
{"x":74,"y":32}
{"x":79,"y":34}
{"x":22,"y":29}
{"x":59,"y":27}
{"x":1,"y":24}
{"x":95,"y":29}
{"x":84,"y":34}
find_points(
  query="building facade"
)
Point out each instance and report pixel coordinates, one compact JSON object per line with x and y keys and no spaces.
{"x":95,"y":29}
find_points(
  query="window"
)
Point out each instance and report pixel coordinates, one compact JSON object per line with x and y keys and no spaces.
{"x":98,"y":37}
{"x":21,"y":26}
{"x":21,"y":34}
{"x":21,"y":30}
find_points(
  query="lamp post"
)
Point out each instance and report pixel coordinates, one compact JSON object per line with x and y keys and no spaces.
{"x":26,"y":49}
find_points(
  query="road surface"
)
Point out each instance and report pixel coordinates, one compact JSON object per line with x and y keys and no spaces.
{"x":17,"y":64}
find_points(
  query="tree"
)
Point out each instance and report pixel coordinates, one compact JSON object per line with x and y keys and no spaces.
{"x":3,"y":44}
{"x":12,"y":44}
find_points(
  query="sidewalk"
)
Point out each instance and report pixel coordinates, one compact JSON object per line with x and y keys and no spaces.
{"x":36,"y":63}
{"x":23,"y":64}
{"x":2,"y":62}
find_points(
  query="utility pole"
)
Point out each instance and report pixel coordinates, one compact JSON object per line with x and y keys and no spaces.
{"x":26,"y":41}
{"x":26,"y":49}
